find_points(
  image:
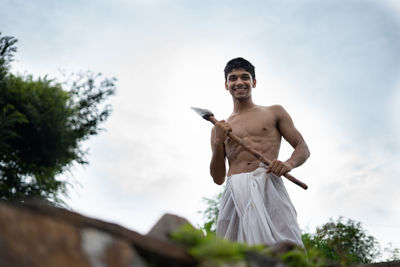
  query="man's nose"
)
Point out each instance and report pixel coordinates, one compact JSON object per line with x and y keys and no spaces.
{"x":239,"y":81}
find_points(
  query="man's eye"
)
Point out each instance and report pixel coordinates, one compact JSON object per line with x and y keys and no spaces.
{"x":245,"y":77}
{"x":232,"y":78}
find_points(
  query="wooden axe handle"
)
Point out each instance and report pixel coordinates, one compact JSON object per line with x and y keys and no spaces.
{"x":258,"y":155}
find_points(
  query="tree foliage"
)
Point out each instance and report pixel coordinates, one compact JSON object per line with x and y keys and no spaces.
{"x":211,"y":250}
{"x":42,"y":126}
{"x":344,"y":241}
{"x":210,"y":214}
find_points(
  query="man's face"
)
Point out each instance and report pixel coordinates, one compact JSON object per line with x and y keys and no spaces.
{"x":240,"y":83}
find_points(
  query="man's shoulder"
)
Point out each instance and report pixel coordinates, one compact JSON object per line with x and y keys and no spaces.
{"x":275,"y":112}
{"x":273,"y":108}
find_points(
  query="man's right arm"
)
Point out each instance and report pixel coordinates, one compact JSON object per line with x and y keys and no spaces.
{"x":217,"y":166}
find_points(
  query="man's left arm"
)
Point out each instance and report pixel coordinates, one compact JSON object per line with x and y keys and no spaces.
{"x":294,"y":138}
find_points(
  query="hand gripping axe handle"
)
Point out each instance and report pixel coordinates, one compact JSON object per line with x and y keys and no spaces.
{"x":209,"y":116}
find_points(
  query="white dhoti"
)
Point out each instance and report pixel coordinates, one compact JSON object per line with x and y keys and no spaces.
{"x":256,"y":209}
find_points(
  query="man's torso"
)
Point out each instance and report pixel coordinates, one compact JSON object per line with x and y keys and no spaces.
{"x":259,"y":128}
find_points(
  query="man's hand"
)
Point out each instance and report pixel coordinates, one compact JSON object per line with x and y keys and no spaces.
{"x":219,"y":134}
{"x":279,"y":168}
{"x":222,"y":129}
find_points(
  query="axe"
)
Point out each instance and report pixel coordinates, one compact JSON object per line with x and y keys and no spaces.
{"x":209,"y":116}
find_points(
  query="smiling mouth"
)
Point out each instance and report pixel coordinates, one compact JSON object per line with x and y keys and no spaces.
{"x":239,"y":89}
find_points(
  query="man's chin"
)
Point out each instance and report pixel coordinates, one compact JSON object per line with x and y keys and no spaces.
{"x":241,"y":97}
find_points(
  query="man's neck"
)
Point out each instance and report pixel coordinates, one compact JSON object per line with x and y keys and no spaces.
{"x":242,"y":105}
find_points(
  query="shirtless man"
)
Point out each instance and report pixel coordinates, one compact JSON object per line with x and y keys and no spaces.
{"x":255,"y":207}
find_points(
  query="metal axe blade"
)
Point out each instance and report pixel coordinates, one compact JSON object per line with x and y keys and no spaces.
{"x":204,"y":113}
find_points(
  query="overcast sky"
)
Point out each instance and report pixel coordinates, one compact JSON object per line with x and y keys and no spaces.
{"x":334,"y":65}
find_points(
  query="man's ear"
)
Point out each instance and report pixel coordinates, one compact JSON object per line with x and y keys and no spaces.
{"x":254,"y":83}
{"x":226,"y":86}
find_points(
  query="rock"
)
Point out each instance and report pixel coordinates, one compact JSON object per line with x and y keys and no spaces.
{"x":281,"y":248}
{"x":102,"y":249}
{"x":208,"y":263}
{"x":165,"y":226}
{"x":35,"y":234}
{"x":234,"y":264}
{"x":256,"y":260}
{"x":30,"y":240}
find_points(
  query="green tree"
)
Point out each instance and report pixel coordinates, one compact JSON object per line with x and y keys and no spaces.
{"x":343,"y":241}
{"x":42,"y":126}
{"x":210,"y":214}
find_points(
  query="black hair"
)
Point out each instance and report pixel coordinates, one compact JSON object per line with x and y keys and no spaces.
{"x":239,"y":63}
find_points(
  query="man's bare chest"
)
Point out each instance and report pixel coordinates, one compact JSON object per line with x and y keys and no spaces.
{"x":254,"y":126}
